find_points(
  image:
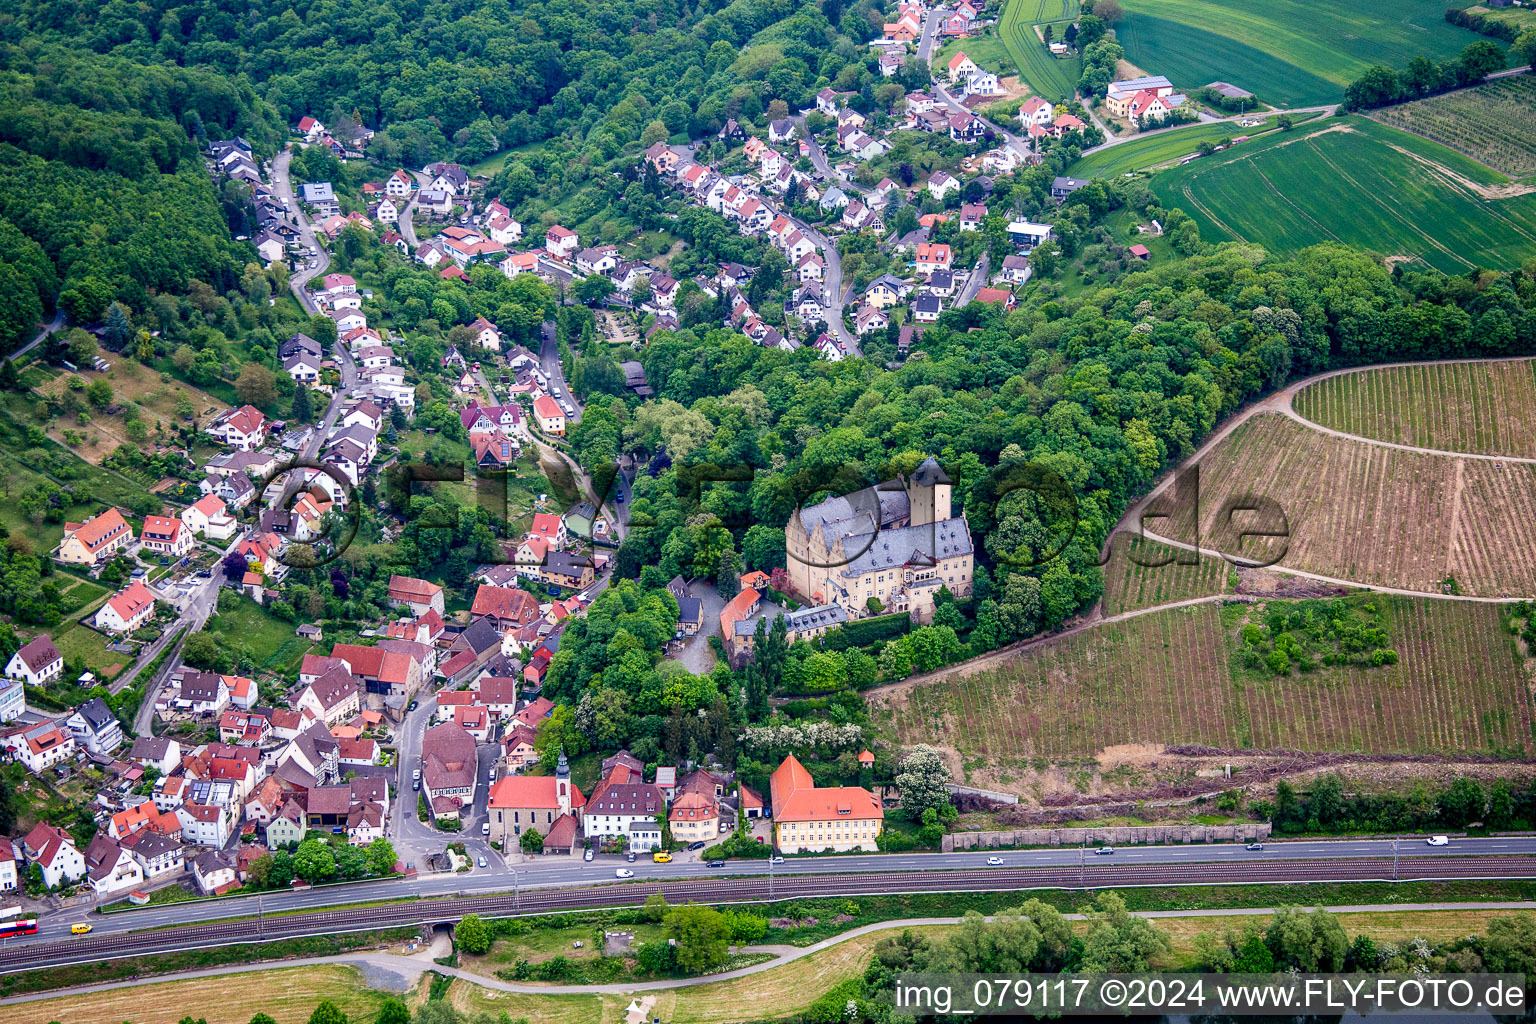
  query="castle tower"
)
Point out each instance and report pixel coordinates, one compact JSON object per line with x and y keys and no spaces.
{"x":563,"y":783}
{"x":928,"y":493}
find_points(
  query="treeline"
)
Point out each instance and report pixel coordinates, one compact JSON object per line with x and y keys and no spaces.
{"x":1381,"y":86}
{"x":1482,"y":24}
{"x":1326,"y":807}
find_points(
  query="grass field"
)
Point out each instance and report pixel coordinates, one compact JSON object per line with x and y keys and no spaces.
{"x":1355,"y":181}
{"x":287,"y":995}
{"x":1369,"y":514}
{"x":1523,"y":18}
{"x":1054,"y":78}
{"x":272,"y":641}
{"x":1480,"y":408}
{"x":1494,"y":123}
{"x":1170,"y":677}
{"x":1287,"y":52}
{"x":1163,"y":148}
{"x":1129,"y":584}
{"x":76,"y":641}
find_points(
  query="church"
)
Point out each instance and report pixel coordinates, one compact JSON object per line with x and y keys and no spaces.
{"x":884,"y":549}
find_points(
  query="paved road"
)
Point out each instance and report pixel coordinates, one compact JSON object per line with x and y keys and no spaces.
{"x":199,"y":925}
{"x":821,"y":163}
{"x":410,"y":968}
{"x":407,"y":223}
{"x":549,"y":363}
{"x":43,"y":331}
{"x":930,"y":32}
{"x":832,"y":285}
{"x":283,"y":183}
{"x":974,"y":282}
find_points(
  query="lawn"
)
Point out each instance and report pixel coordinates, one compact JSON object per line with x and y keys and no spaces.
{"x":76,"y":641}
{"x":1054,"y":78}
{"x":1287,"y":52}
{"x":1162,"y":148}
{"x":272,"y":641}
{"x":1365,"y":184}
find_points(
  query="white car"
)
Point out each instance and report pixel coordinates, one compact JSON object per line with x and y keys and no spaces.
{"x":485,"y":828}
{"x":995,"y":861}
{"x":1104,"y":851}
{"x":776,"y":859}
{"x":1438,"y":841}
{"x":623,"y":873}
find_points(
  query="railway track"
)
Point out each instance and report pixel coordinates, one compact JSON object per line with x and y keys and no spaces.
{"x":33,"y":954}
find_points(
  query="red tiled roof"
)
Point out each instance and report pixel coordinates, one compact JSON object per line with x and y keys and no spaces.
{"x":101,"y":529}
{"x":537,"y":791}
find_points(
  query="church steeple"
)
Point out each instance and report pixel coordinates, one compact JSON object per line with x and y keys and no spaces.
{"x":563,"y":782}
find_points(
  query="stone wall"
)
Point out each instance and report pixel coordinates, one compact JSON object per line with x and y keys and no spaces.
{"x":1108,"y":836}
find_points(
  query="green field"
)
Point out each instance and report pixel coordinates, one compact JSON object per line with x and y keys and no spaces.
{"x":1052,"y":77}
{"x":1523,"y":18}
{"x":271,"y":641}
{"x":1355,"y":181}
{"x":1162,"y":148}
{"x":1288,"y":52}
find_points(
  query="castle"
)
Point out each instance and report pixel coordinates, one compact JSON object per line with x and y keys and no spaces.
{"x":895,"y":542}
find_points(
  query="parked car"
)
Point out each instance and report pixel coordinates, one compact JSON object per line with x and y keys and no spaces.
{"x":1104,"y":851}
{"x":995,"y":861}
{"x":416,"y":785}
{"x":589,"y":854}
{"x":416,"y":775}
{"x":623,"y":873}
{"x":696,"y":846}
{"x":1439,"y":840}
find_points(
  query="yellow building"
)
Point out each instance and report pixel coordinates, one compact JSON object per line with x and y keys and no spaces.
{"x":808,"y":819}
{"x":895,"y":543}
{"x":96,"y":539}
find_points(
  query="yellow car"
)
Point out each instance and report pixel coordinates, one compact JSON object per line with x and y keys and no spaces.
{"x":661,"y":857}
{"x":79,"y":929}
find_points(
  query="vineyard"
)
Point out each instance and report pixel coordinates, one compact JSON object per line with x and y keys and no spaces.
{"x":1494,"y":123}
{"x":1363,"y":183}
{"x":1129,"y":585}
{"x":1479,"y":408}
{"x":1366,"y":513}
{"x":1174,"y":677}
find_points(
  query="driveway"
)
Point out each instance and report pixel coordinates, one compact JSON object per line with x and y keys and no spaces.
{"x":697,"y":656}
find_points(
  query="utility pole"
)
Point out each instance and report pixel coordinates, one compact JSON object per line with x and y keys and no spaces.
{"x":1394,"y":858}
{"x":770,"y":878}
{"x":1082,"y":863}
{"x":517,"y":895}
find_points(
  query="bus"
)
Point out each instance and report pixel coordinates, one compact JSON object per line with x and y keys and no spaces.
{"x":25,"y":926}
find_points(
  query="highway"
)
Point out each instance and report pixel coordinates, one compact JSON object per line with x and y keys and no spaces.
{"x":559,"y":883}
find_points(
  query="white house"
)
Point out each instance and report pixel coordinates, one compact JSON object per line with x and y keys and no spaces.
{"x":52,"y":849}
{"x":165,"y":535}
{"x":36,"y":663}
{"x":95,"y":727}
{"x":214,"y":872}
{"x":39,"y":746}
{"x":126,"y":610}
{"x":110,"y":867}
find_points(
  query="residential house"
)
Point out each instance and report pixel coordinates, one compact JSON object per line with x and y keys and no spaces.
{"x":870,"y":319}
{"x":417,"y":595}
{"x":927,"y":308}
{"x":95,"y":540}
{"x":942,"y":183}
{"x":198,"y":693}
{"x":508,"y":608}
{"x":561,"y":242}
{"x":245,"y":428}
{"x":166,"y":535}
{"x":333,"y":698}
{"x":1027,"y":234}
{"x":621,"y":798}
{"x":37,"y":662}
{"x":971,"y":216}
{"x":1118,"y":96}
{"x":933,"y":257}
{"x":321,"y":196}
{"x":94,"y":727}
{"x":157,"y":855}
{"x":126,"y":610}
{"x":562,"y":569}
{"x":39,"y":746}
{"x":111,"y":868}
{"x":52,"y":849}
{"x":812,"y":819}
{"x":161,"y":753}
{"x":959,"y":66}
{"x":549,"y":416}
{"x":826,"y":102}
{"x":885,"y":291}
{"x":1015,"y":269}
{"x":449,"y":771}
{"x":215,"y":874}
